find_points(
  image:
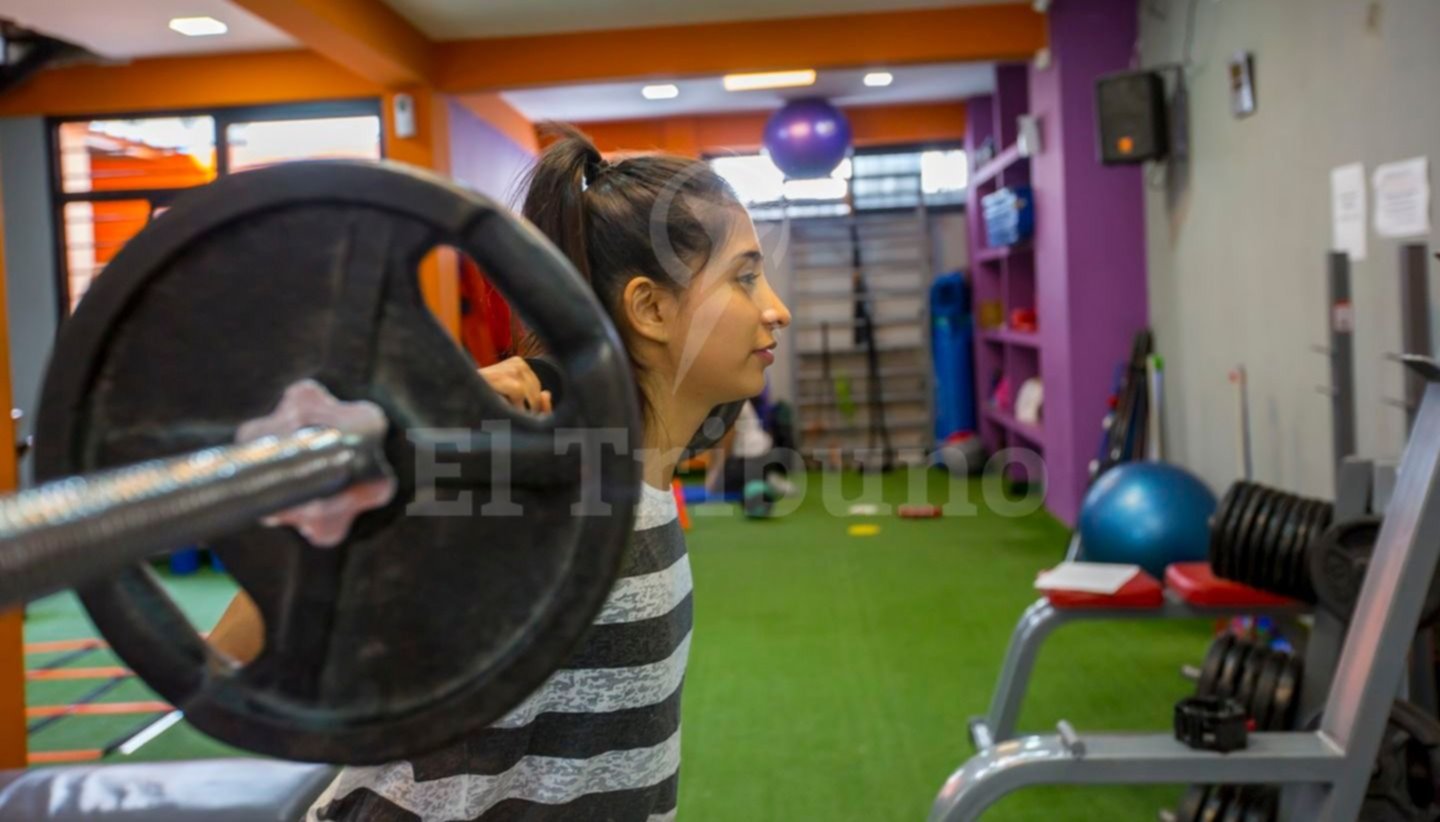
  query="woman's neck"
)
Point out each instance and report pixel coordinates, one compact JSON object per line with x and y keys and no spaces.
{"x":672,"y":424}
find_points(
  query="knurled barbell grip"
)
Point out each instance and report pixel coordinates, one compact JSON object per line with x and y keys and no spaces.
{"x":67,"y":532}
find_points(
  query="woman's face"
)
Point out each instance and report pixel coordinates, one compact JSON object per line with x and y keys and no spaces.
{"x":729,"y":321}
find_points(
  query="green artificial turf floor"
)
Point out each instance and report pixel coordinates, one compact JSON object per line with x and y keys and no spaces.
{"x":831,"y":675}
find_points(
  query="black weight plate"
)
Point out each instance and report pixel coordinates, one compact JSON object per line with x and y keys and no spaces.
{"x":1265,"y":688}
{"x":1257,"y":564}
{"x":1235,"y":534}
{"x":1287,"y":695}
{"x":1289,"y":527}
{"x":1270,"y":573}
{"x":1244,"y":558}
{"x":1405,"y":782}
{"x":417,"y":629}
{"x":1215,"y":803}
{"x":1243,"y":549}
{"x":1217,"y":517}
{"x":1297,"y":552}
{"x":1305,"y":537}
{"x":550,"y":377}
{"x":1294,"y":563}
{"x":1338,"y":563}
{"x":1239,"y":801}
{"x":1257,"y":553}
{"x":1229,"y":680}
{"x":1254,"y":665}
{"x":1229,"y":549}
{"x":1191,"y":803}
{"x":1264,"y":805}
{"x":1214,"y":661}
{"x":1322,"y":514}
{"x":1217,"y":525}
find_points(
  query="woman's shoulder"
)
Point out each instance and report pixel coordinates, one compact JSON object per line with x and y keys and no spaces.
{"x":655,"y":508}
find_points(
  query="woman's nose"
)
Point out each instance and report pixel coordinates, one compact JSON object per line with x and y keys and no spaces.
{"x":777,"y":314}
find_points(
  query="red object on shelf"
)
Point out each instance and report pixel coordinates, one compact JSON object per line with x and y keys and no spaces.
{"x":1141,"y":592}
{"x":1197,"y":584}
{"x":1023,"y":319}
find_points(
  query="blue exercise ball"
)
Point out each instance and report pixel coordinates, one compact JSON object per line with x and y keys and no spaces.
{"x":807,"y":138}
{"x":1148,"y":514}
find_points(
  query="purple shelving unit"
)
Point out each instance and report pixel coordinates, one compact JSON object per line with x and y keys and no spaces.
{"x":1084,"y":270}
{"x":1003,"y":276}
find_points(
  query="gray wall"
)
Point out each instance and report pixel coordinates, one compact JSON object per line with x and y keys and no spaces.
{"x":1237,"y":247}
{"x":31,"y":291}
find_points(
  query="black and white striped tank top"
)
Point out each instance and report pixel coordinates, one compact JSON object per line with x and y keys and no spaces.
{"x":600,"y":740}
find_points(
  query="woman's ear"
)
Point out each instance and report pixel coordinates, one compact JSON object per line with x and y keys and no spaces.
{"x":649,"y":309}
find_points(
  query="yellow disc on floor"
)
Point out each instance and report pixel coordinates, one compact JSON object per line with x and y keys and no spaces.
{"x":864,"y":530}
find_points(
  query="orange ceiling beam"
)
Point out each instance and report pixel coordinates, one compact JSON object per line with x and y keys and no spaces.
{"x":366,"y":36}
{"x":713,"y":134}
{"x":958,"y":34}
{"x":186,"y":82}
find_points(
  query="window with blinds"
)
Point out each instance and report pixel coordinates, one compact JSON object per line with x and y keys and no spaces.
{"x":871,"y":180}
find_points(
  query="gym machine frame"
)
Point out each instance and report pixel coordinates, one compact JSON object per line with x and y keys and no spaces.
{"x":1363,"y":487}
{"x":1325,"y":772}
{"x":1043,"y":617}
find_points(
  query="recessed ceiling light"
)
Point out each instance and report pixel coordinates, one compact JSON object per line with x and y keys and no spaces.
{"x":879,"y":79}
{"x":663,"y":91}
{"x":198,"y":26}
{"x":769,"y":79}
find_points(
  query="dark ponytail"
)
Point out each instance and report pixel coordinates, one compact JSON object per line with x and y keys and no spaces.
{"x":555,"y":192}
{"x":645,"y":215}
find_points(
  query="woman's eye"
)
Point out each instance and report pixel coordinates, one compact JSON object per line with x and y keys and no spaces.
{"x":749,"y":279}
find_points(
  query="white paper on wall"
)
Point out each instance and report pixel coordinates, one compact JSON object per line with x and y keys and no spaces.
{"x":1402,"y":198}
{"x":1347,"y":210}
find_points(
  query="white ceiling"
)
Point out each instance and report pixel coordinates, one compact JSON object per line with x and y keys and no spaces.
{"x":122,"y":29}
{"x":706,"y":95}
{"x":462,"y":19}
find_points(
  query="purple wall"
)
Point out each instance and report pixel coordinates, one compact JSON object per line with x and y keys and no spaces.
{"x":1090,"y":240}
{"x":483,"y":158}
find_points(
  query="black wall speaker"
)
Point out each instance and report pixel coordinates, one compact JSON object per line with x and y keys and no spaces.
{"x":1130,"y":117}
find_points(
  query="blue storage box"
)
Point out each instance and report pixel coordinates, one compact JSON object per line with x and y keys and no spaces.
{"x":1009,"y":215}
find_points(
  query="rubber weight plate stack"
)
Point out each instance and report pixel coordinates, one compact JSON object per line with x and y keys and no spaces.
{"x":1258,"y":536}
{"x":1192,"y":803}
{"x":1219,"y":522}
{"x":1214,"y":663}
{"x":416,"y":629}
{"x":1405,"y":782}
{"x":1265,"y":682}
{"x":1339,"y":560}
{"x":1256,"y":552}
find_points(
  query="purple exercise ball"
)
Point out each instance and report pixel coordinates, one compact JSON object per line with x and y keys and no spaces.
{"x":807,"y":138}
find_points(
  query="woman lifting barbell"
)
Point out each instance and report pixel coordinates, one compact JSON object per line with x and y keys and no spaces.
{"x":675,"y":260}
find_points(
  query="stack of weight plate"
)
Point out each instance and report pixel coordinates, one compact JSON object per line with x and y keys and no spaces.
{"x":1229,"y":803}
{"x":1260,"y":536}
{"x":1266,"y":682}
